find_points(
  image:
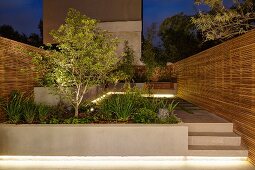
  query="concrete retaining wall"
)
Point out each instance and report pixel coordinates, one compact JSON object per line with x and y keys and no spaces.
{"x":45,"y":96}
{"x":94,"y":140}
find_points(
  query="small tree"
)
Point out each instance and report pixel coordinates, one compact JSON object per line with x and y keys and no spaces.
{"x":149,"y":52}
{"x":83,"y":58}
{"x":125,"y":70}
{"x":222,"y":23}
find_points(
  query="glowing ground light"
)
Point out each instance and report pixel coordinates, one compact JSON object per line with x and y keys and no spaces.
{"x":144,"y":95}
{"x":117,"y":162}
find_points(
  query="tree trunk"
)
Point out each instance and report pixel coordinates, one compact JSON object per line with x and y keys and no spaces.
{"x":76,"y":108}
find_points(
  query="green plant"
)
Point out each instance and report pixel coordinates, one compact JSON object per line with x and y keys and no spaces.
{"x":153,"y":104}
{"x":171,"y":119}
{"x":43,"y":112}
{"x":54,"y":121}
{"x":125,"y":71}
{"x":144,"y":115}
{"x":77,"y":120}
{"x":222,"y":22}
{"x":29,"y":111}
{"x":171,"y":107}
{"x":122,"y":106}
{"x":13,"y":106}
{"x":84,"y":58}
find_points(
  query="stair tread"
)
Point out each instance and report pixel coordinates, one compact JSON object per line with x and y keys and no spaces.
{"x":214,"y":134}
{"x":203,"y":147}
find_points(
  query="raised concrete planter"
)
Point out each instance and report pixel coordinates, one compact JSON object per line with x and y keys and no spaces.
{"x":94,"y":140}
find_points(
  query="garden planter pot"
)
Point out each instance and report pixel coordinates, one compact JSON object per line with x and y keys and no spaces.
{"x":94,"y":140}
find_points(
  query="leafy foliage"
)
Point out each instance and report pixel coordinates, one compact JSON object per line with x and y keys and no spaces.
{"x":122,"y":106}
{"x":145,"y":115}
{"x":77,"y":121}
{"x":179,"y":37}
{"x":14,"y":106}
{"x":171,"y":107}
{"x":125,"y":70}
{"x":8,"y":31}
{"x":149,"y":52}
{"x":171,"y":119}
{"x":43,"y":112}
{"x":84,"y":58}
{"x":153,"y":104}
{"x":222,"y":23}
{"x":29,"y":110}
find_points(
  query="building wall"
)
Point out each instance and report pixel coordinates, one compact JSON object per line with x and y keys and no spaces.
{"x":222,"y":80}
{"x":122,"y":18}
{"x":13,"y":65}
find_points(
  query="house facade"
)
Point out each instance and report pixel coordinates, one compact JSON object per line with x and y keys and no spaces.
{"x":122,"y":18}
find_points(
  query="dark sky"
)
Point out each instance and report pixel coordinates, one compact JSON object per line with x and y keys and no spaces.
{"x":24,"y":15}
{"x":158,"y":10}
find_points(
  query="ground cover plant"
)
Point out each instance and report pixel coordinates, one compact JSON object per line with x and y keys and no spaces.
{"x":130,"y":107}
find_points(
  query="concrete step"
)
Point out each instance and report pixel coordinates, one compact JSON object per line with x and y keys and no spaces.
{"x":219,"y":151}
{"x":210,"y":127}
{"x":214,"y":138}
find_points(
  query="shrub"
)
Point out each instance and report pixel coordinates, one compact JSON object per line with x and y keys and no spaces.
{"x":122,"y":106}
{"x":13,"y":107}
{"x":54,"y":121}
{"x":29,"y":111}
{"x":78,"y":120}
{"x":172,"y":106}
{"x":171,"y":119}
{"x":153,"y":104}
{"x":144,"y":115}
{"x":43,"y":112}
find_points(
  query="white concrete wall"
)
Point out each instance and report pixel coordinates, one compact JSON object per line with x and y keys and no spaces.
{"x":94,"y":140}
{"x":45,"y":96}
{"x":130,"y":31}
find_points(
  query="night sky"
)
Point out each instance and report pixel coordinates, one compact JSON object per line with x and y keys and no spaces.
{"x":157,"y":10}
{"x":24,"y":15}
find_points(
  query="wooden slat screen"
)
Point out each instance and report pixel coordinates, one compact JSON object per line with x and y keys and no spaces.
{"x":12,"y":61}
{"x":222,"y":80}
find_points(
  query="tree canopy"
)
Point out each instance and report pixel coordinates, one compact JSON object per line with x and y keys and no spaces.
{"x":179,"y":37}
{"x":8,"y":31}
{"x":222,"y":23}
{"x":84,"y":57}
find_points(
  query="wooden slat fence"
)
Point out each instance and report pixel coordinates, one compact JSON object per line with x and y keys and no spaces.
{"x":12,"y":62}
{"x":222,"y":81}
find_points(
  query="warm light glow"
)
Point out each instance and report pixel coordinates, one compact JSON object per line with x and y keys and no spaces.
{"x":122,"y":158}
{"x":118,"y":162}
{"x":144,"y":95}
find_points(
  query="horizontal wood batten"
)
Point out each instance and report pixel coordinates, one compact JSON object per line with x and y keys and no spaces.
{"x":222,"y":80}
{"x":12,"y":61}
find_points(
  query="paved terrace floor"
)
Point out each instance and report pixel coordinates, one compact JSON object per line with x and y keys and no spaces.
{"x":190,"y":113}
